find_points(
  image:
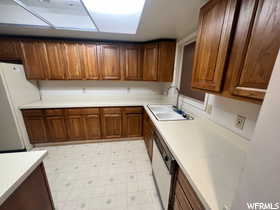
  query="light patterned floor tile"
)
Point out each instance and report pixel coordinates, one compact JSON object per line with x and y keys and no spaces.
{"x":101,"y":176}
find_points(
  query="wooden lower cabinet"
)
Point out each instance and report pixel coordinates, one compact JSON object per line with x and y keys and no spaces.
{"x":184,"y":197}
{"x":111,"y":123}
{"x":92,"y":126}
{"x":76,"y":124}
{"x":36,"y":129}
{"x":75,"y":127}
{"x":33,"y":193}
{"x":56,"y":127}
{"x":148,"y":134}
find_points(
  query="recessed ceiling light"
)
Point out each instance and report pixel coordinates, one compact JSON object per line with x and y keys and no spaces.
{"x":117,"y":7}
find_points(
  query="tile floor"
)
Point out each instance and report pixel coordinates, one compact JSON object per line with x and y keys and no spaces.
{"x":99,"y":176}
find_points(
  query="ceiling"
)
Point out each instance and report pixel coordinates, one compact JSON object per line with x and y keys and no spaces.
{"x":160,"y":19}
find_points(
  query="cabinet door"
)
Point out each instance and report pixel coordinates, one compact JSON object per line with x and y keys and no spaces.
{"x":92,"y":126}
{"x":75,"y":127}
{"x":111,"y":122}
{"x":150,"y":62}
{"x":131,"y":62}
{"x":255,"y":47}
{"x":89,"y":61}
{"x":132,"y":124}
{"x":36,"y":129}
{"x":35,"y":59}
{"x":10,"y":50}
{"x":110,"y":62}
{"x":72,"y":61}
{"x":56,"y":128}
{"x":212,"y":46}
{"x":56,"y":58}
{"x":166,"y":60}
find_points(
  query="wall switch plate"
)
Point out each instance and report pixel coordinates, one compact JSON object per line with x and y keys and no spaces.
{"x":240,"y":121}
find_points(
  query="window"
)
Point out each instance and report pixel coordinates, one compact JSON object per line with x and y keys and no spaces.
{"x":193,"y":97}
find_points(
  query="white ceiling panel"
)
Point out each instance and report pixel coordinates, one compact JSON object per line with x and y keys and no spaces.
{"x":116,"y":16}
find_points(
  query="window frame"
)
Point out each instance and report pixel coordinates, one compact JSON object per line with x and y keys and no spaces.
{"x":188,"y":100}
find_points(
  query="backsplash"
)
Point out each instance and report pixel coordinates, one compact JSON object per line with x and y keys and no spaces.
{"x":224,"y":112}
{"x":51,"y":89}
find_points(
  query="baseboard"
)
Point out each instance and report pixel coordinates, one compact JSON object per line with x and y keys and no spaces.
{"x":87,"y":141}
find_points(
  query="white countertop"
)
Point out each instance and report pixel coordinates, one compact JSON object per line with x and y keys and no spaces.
{"x":211,"y":156}
{"x":15,"y":168}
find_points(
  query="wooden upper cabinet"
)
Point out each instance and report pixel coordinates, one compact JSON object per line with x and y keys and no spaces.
{"x":10,"y":49}
{"x":56,"y":57}
{"x":35,"y":59}
{"x":72,"y":61}
{"x":150,"y":62}
{"x":109,"y":57}
{"x":213,"y":40}
{"x":255,"y":47}
{"x":131,"y":58}
{"x":166,"y":60}
{"x":89,"y":61}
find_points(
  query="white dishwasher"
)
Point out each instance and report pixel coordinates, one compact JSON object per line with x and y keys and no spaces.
{"x":164,"y":166}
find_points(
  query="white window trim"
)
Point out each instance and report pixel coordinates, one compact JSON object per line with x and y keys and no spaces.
{"x":179,"y":60}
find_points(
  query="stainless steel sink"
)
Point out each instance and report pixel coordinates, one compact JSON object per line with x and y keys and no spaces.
{"x":167,"y":113}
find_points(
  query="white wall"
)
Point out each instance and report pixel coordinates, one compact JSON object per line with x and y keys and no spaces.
{"x":224,"y":110}
{"x":260,"y":180}
{"x":84,"y":89}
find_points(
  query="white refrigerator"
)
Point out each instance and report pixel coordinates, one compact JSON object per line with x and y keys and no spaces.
{"x":15,"y":91}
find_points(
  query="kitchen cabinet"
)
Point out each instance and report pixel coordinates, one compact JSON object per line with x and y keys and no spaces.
{"x":212,"y":46}
{"x":33,"y":193}
{"x":166,"y":58}
{"x":36,"y":129}
{"x":89,"y":61}
{"x":184,"y":196}
{"x":77,"y":124}
{"x":150,"y":62}
{"x":235,"y":58}
{"x":56,"y":126}
{"x":131,"y":55}
{"x":35,"y":59}
{"x":255,"y":47}
{"x":109,"y":57}
{"x":56,"y":57}
{"x":132,"y":121}
{"x":112,"y":122}
{"x":148,"y":134}
{"x":75,"y":127}
{"x":72,"y":61}
{"x":10,"y":50}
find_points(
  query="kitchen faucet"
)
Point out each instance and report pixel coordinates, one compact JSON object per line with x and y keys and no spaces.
{"x":178,"y":95}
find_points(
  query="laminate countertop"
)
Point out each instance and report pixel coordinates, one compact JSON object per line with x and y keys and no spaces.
{"x":211,"y":157}
{"x":15,"y":168}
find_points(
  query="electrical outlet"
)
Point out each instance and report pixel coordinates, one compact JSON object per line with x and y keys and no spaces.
{"x":240,"y":121}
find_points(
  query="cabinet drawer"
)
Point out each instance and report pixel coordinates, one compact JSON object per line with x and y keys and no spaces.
{"x":32,"y":112}
{"x":133,"y":109}
{"x":54,"y":112}
{"x":89,"y":111}
{"x":111,"y":110}
{"x":187,"y":188}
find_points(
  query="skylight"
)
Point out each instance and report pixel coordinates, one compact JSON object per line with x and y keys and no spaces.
{"x":115,"y":16}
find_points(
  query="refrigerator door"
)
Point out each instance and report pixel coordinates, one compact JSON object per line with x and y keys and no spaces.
{"x":15,"y":91}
